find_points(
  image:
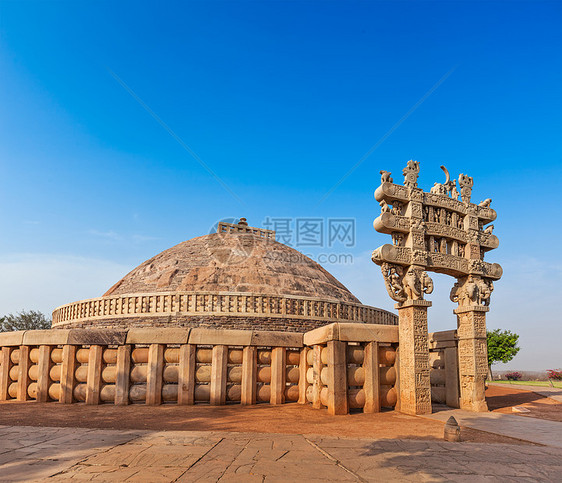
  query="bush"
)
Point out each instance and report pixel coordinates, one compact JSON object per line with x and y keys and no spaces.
{"x":555,"y":374}
{"x":513,"y":376}
{"x":24,"y":320}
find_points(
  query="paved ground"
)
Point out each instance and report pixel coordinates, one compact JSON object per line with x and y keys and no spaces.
{"x":44,"y":442}
{"x":552,"y":392}
{"x":60,"y":454}
{"x":534,"y":430}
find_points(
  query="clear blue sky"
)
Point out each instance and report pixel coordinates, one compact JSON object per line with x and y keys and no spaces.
{"x":280,"y":100}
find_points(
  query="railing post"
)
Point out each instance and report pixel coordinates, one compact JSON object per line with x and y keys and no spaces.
{"x":337,"y":377}
{"x":249,"y":375}
{"x":44,"y":379}
{"x":93,"y":385}
{"x":317,"y":371}
{"x":219,"y":375}
{"x":122,"y":379}
{"x":5,"y":372}
{"x":303,"y":381}
{"x":154,"y":374}
{"x":23,"y":376}
{"x":67,"y":378}
{"x":372,"y":378}
{"x":186,"y":376}
{"x":278,"y":375}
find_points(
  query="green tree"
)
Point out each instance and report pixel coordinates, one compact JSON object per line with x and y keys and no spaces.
{"x":24,"y":320}
{"x":502,"y":347}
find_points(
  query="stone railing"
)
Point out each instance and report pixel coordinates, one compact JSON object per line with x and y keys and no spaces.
{"x":339,"y":366}
{"x":351,"y":366}
{"x":219,"y":304}
{"x":444,"y":367}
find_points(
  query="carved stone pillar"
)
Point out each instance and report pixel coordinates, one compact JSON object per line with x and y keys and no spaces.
{"x":473,"y":356}
{"x":415,"y":388}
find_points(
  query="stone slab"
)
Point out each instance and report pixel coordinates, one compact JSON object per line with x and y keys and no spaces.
{"x":444,"y":335}
{"x":63,"y":454}
{"x":45,"y":337}
{"x":276,"y":339}
{"x":220,"y":337}
{"x":12,"y":338}
{"x":97,"y":337}
{"x":158,"y":335}
{"x":352,"y":332}
{"x":534,"y":430}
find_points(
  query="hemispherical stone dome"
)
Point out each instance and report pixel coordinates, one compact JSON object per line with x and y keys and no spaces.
{"x":243,"y":263}
{"x":238,"y":280}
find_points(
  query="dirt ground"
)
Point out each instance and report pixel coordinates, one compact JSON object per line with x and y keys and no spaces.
{"x":263,"y":418}
{"x":501,"y":399}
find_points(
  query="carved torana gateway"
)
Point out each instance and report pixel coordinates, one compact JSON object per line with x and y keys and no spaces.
{"x":437,"y":232}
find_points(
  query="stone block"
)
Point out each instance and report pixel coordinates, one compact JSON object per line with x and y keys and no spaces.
{"x":443,"y":335}
{"x":352,"y":332}
{"x":158,"y":335}
{"x":12,"y":338}
{"x":368,"y":333}
{"x":96,"y":337}
{"x":45,"y":337}
{"x":322,"y":334}
{"x":443,"y":339}
{"x":220,"y":337}
{"x":276,"y":339}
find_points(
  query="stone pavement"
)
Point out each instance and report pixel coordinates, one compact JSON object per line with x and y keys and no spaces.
{"x":552,"y":392}
{"x":62,"y":454}
{"x":539,"y":431}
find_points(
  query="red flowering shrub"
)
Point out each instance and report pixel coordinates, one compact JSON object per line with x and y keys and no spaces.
{"x":555,"y":374}
{"x":513,"y":376}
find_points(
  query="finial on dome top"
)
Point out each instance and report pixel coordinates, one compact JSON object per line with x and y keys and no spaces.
{"x":242,"y":227}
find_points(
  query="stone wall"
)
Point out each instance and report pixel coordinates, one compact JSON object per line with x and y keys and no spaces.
{"x":207,"y":322}
{"x":340,"y":362}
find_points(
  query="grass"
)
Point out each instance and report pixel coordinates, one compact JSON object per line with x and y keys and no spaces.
{"x":557,"y":384}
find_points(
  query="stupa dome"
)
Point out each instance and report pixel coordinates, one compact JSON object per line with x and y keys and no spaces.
{"x":242,"y":263}
{"x":237,"y":278}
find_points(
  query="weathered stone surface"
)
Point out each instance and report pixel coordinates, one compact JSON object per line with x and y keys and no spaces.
{"x":158,"y":335}
{"x":217,"y":336}
{"x":12,"y":338}
{"x":93,"y":454}
{"x":276,"y":339}
{"x":97,"y":337}
{"x":352,"y":332}
{"x":233,"y":262}
{"x":437,"y":232}
{"x":45,"y":337}
{"x":415,"y":386}
{"x":236,"y":322}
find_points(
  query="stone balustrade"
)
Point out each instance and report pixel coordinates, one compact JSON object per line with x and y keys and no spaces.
{"x":217,"y":304}
{"x":444,"y":367}
{"x":339,"y":366}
